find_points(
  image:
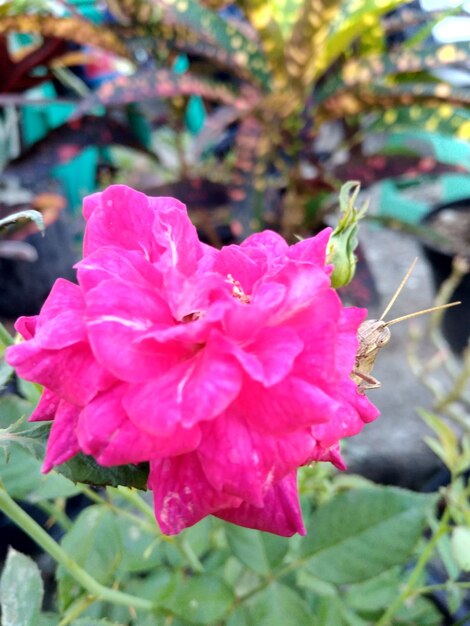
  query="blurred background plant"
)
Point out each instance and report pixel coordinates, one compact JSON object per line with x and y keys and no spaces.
{"x":270,"y":104}
{"x":252,"y":113}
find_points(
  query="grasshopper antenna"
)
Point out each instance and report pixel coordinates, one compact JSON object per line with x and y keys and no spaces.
{"x":423,"y":312}
{"x":398,"y":291}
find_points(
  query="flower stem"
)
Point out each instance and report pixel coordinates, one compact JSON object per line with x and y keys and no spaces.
{"x":97,"y":499}
{"x":408,"y":590}
{"x":136,"y":500}
{"x":9,"y":507}
{"x":76,"y":609}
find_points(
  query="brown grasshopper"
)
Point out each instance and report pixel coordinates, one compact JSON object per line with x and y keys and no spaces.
{"x":375,"y":334}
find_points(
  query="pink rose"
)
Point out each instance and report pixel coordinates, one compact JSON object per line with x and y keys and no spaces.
{"x":225,"y":369}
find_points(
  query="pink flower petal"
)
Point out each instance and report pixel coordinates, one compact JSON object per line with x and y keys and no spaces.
{"x":198,"y":389}
{"x":46,"y":408}
{"x":26,"y":326}
{"x":105,"y":431}
{"x":182,"y":495}
{"x":115,"y":263}
{"x":60,"y":323}
{"x":118,"y":314}
{"x":177,"y":237}
{"x":312,"y":250}
{"x":280,"y":514}
{"x":123,"y":217}
{"x":270,"y":356}
{"x":62,"y":444}
{"x":72,"y":372}
{"x":244,"y":462}
{"x":287,"y":406}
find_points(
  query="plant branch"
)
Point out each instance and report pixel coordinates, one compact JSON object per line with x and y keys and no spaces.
{"x":12,"y":510}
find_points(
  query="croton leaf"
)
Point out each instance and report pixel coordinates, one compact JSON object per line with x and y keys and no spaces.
{"x":370,"y":169}
{"x":152,"y":83}
{"x":308,"y":39}
{"x":261,"y":14}
{"x":444,"y":119}
{"x":373,"y":96}
{"x":205,"y":24}
{"x":354,"y":18}
{"x":375,"y":68}
{"x":410,"y":92}
{"x":74,"y":29}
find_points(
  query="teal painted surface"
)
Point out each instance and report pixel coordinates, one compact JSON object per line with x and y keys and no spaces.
{"x":78,"y":177}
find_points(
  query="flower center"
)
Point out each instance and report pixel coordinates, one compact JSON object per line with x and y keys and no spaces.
{"x":237,"y":290}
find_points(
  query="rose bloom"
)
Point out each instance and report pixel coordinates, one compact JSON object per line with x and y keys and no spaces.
{"x":225,"y":369}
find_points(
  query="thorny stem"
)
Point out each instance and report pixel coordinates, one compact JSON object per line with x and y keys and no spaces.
{"x":418,"y":570}
{"x":12,"y":510}
{"x":97,"y":499}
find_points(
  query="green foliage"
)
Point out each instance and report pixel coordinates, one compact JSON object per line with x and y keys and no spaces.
{"x":21,"y":590}
{"x":84,"y":469}
{"x":94,"y":542}
{"x":363,"y":533}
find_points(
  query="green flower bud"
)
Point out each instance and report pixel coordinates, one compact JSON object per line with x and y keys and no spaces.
{"x":343,"y":240}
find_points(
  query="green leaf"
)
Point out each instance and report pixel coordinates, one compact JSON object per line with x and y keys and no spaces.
{"x":33,"y":216}
{"x":141,"y":548}
{"x":286,"y":14}
{"x":84,"y":469}
{"x":25,"y":445}
{"x":364,"y":532}
{"x":48,"y":619}
{"x":87,"y":621}
{"x":377,"y":593}
{"x":94,"y":543}
{"x":23,"y":479}
{"x":5,"y":339}
{"x":328,"y":611}
{"x":355,"y":18}
{"x":258,"y":551}
{"x":278,"y":605}
{"x":239,"y":617}
{"x":202,"y":599}
{"x":21,"y":591}
{"x":461,"y":546}
{"x":6,"y":372}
